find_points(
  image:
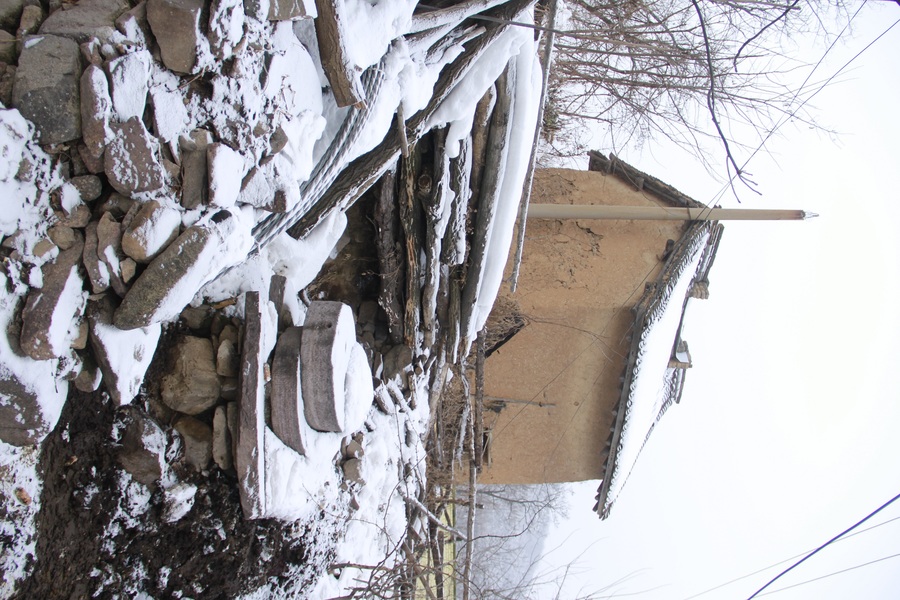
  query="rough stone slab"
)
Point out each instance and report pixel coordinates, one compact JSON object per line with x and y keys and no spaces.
{"x":151,"y":230}
{"x":226,"y":26}
{"x":109,"y":250}
{"x":287,"y":398}
{"x":277,"y":290}
{"x":192,"y":386}
{"x":328,"y":336}
{"x":250,"y":443}
{"x":123,"y":356}
{"x":46,"y":89}
{"x":143,"y":447}
{"x":86,"y":19}
{"x":198,"y":442}
{"x":60,"y":300}
{"x":222,"y":442}
{"x":129,"y":78}
{"x":168,"y":283}
{"x":176,"y":26}
{"x":130,"y":160}
{"x":89,"y":187}
{"x":8,"y":51}
{"x":96,"y":269}
{"x":96,"y":108}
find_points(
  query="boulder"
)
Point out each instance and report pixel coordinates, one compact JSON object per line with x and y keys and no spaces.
{"x":227,"y":359}
{"x":194,"y":169}
{"x":170,"y":280}
{"x":192,"y":385}
{"x":151,"y":230}
{"x":89,"y":187}
{"x":109,"y":250}
{"x":50,"y":310}
{"x":64,"y":237}
{"x":86,"y":19}
{"x":143,"y":448}
{"x":29,"y":23}
{"x":176,"y":26}
{"x":129,"y":78}
{"x":8,"y":50}
{"x":353,"y":471}
{"x":130,"y":160}
{"x":46,"y":89}
{"x":10,"y":13}
{"x":198,"y":441}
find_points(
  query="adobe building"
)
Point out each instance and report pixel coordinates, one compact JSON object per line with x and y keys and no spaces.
{"x":575,"y":393}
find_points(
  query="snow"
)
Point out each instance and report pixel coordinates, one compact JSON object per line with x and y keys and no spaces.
{"x":226,"y":171}
{"x":18,"y":467}
{"x":153,"y":233}
{"x":64,"y":322}
{"x":648,"y":388}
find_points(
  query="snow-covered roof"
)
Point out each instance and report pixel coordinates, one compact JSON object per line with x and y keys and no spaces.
{"x":651,"y":382}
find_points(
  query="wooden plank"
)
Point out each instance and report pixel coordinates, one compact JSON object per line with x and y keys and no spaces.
{"x":343,"y":76}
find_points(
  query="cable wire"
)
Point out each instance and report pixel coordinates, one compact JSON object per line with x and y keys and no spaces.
{"x":825,"y":545}
{"x":871,"y":562}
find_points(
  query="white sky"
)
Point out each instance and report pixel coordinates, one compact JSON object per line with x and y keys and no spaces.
{"x":788,"y":429}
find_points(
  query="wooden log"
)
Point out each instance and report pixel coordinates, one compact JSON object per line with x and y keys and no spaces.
{"x":454,"y":245}
{"x":388,"y":247}
{"x":497,"y":151}
{"x":410,"y":222}
{"x":433,"y":206}
{"x":452,"y":15}
{"x":342,"y":74}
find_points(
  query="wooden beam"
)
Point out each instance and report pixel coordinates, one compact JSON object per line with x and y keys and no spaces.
{"x":662,"y":213}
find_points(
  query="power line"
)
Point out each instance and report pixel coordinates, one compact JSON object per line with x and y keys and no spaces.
{"x":736,"y":579}
{"x":825,"y":545}
{"x":871,"y":562}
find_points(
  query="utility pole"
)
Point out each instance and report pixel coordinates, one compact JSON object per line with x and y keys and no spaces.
{"x":662,"y":213}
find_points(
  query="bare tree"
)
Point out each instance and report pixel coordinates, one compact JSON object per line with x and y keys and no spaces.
{"x":686,"y":70}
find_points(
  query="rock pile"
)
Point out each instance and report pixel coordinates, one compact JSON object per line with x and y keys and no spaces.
{"x":151,"y":131}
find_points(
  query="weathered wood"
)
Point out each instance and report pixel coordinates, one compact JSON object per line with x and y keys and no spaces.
{"x":410,"y":221}
{"x":478,"y":413}
{"x":454,"y":246}
{"x":433,"y":206}
{"x":452,"y":15}
{"x":387,"y":245}
{"x":481,"y":125}
{"x":497,"y":151}
{"x":250,"y":439}
{"x":341,"y":73}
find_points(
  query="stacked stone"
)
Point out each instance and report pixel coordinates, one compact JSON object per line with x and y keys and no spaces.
{"x":118,"y":157}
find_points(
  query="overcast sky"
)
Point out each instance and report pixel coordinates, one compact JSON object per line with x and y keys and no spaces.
{"x":789,"y":427}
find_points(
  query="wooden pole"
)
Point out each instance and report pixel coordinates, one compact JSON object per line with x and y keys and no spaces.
{"x":662,"y":213}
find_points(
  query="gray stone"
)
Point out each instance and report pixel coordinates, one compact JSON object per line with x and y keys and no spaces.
{"x":229,"y":332}
{"x":249,"y":456}
{"x":176,"y":26}
{"x":227,"y":359}
{"x":8,"y":50}
{"x":46,"y":89}
{"x":192,"y":385}
{"x":129,"y":269}
{"x":89,"y":186}
{"x":86,"y":19}
{"x":88,"y":380}
{"x":194,"y":168}
{"x":7,"y":82}
{"x":118,"y":205}
{"x":64,"y":237}
{"x":396,"y":360}
{"x":139,"y":15}
{"x":198,"y":442}
{"x":10,"y":13}
{"x":96,"y":108}
{"x":286,"y":397}
{"x":352,"y":449}
{"x":143,"y":447}
{"x":328,"y":335}
{"x":123,"y":356}
{"x":221,"y":442}
{"x":197,"y":318}
{"x":277,"y":290}
{"x":130,"y":160}
{"x":80,"y":341}
{"x":109,"y":250}
{"x":97,"y":272}
{"x":230,"y":388}
{"x":93,"y":163}
{"x":151,"y":230}
{"x":152,"y":296}
{"x":129,"y":79}
{"x":52,"y":302}
{"x":353,"y":471}
{"x":78,"y":218}
{"x":289,"y":10}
